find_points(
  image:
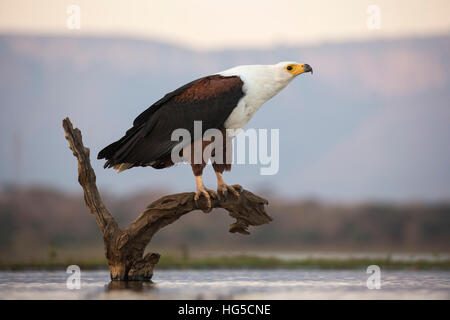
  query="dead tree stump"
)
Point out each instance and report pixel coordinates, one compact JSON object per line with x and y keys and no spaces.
{"x":124,"y":247}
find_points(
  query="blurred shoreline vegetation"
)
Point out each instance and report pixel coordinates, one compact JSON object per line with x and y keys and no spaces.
{"x":46,"y":228}
{"x":169,"y":262}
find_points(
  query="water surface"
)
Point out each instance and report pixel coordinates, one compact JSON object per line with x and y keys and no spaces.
{"x":230,"y":284}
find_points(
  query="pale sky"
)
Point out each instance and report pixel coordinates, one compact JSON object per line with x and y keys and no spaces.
{"x":217,"y":24}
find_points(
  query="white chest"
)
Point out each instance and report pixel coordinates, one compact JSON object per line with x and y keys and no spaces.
{"x":241,"y":115}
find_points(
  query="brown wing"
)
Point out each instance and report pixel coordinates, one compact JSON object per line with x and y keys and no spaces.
{"x":210,"y":100}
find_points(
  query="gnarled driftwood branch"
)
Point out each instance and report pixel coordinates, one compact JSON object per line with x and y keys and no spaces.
{"x":124,"y":248}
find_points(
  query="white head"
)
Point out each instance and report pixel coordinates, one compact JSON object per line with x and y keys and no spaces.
{"x":286,"y":70}
{"x":262,"y":82}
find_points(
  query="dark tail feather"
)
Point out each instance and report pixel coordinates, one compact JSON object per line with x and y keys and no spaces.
{"x":117,"y":150}
{"x":109,"y":151}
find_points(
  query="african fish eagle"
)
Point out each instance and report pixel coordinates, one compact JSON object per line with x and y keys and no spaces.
{"x":226,"y":100}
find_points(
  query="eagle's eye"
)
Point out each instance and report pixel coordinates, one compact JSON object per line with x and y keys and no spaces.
{"x":289,"y":68}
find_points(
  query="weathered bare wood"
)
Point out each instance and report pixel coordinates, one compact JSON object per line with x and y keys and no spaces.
{"x":124,"y":248}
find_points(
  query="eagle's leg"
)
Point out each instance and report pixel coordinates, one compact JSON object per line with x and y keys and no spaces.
{"x":222,"y":187}
{"x":225,"y":165}
{"x":201,"y":190}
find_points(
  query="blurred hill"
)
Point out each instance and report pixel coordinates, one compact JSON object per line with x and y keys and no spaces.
{"x":40,"y":223}
{"x":371,"y":123}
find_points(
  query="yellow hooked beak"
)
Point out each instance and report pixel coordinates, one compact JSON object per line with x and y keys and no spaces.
{"x":297,"y":69}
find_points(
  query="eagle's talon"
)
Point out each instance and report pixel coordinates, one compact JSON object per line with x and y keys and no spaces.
{"x":212,"y":193}
{"x":203,"y":191}
{"x":239,"y":187}
{"x":224,"y":189}
{"x":233,"y":191}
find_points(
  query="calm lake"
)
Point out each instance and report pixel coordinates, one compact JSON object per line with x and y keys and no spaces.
{"x":230,"y":284}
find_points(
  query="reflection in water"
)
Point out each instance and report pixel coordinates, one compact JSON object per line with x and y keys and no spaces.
{"x":136,"y":286}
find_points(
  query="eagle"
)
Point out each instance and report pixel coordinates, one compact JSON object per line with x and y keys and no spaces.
{"x":224,"y":101}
